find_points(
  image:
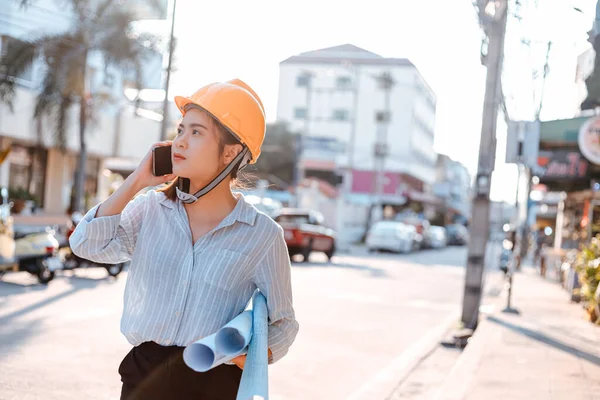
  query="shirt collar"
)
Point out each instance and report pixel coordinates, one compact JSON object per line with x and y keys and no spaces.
{"x":242,"y":212}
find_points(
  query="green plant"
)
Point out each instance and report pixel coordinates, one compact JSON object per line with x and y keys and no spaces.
{"x":20,"y":193}
{"x":587,"y":265}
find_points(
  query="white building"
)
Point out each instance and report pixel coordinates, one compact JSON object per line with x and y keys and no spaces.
{"x":119,"y":131}
{"x":343,"y":90}
{"x":585,"y":67}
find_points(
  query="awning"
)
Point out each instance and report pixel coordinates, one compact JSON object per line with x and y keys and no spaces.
{"x":420,"y":197}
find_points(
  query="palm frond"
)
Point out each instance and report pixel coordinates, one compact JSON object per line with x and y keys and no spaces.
{"x":121,"y":47}
{"x":66,"y":57}
{"x":17,"y":59}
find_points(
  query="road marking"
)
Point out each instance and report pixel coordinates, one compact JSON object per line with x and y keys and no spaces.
{"x":381,"y":385}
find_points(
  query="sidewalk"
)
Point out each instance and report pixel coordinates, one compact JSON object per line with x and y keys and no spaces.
{"x":549,"y":351}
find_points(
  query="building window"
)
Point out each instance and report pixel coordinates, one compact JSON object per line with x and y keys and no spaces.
{"x":340,"y":115}
{"x":383,"y":116}
{"x":300,"y":113}
{"x":343,"y":82}
{"x":302,"y":80}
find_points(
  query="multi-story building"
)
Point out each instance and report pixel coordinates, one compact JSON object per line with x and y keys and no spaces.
{"x":333,"y":97}
{"x":118,"y":130}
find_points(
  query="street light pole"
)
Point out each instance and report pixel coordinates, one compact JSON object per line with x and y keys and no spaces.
{"x":493,"y":16}
{"x":165,"y":120}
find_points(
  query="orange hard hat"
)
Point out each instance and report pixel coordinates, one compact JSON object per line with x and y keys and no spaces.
{"x":236,"y":106}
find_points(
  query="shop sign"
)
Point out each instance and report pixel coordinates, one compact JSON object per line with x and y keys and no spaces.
{"x":561,"y":164}
{"x":589,"y":140}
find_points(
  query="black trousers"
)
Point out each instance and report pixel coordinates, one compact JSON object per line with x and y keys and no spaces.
{"x":154,"y":372}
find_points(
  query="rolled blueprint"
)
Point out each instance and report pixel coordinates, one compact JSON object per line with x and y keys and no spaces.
{"x":227,"y":343}
{"x":233,"y":338}
{"x":255,"y":377}
{"x":202,"y":356}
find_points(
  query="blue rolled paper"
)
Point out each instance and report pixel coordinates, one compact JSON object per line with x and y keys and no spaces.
{"x":227,"y":343}
{"x":233,"y":338}
{"x":255,"y":378}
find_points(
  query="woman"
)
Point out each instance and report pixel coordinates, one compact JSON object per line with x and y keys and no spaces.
{"x":198,"y":251}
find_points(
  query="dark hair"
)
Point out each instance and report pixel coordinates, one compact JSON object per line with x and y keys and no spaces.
{"x":225,"y":138}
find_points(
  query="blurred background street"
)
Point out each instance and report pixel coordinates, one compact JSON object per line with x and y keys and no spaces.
{"x":397,"y":299}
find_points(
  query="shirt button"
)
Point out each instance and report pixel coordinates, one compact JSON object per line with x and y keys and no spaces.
{"x":177,"y":313}
{"x":184,"y":283}
{"x":167,"y":342}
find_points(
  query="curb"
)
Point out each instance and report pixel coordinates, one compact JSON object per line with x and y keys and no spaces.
{"x":459,"y":379}
{"x":457,"y":383}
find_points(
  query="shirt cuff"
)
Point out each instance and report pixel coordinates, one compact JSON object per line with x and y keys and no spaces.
{"x":95,"y":228}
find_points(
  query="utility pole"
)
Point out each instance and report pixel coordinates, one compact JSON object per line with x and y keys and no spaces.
{"x":492,"y":16}
{"x":343,"y":212}
{"x":380,"y":151}
{"x":352,"y":142}
{"x":298,"y":169}
{"x":165,"y":120}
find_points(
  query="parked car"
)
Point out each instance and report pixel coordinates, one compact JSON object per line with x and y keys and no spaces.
{"x":265,"y":205}
{"x":434,"y":237}
{"x":458,"y":235}
{"x":392,"y":236}
{"x":305,"y":232}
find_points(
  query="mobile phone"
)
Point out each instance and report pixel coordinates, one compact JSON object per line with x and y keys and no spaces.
{"x":161,"y":161}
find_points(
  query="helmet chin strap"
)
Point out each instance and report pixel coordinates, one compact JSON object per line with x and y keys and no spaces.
{"x":240,"y":161}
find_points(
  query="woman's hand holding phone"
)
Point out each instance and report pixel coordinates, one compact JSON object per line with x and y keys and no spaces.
{"x":143,"y":174}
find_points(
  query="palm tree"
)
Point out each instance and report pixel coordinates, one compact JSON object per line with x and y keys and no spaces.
{"x":101,"y":27}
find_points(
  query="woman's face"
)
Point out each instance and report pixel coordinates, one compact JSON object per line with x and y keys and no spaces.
{"x":195,"y":150}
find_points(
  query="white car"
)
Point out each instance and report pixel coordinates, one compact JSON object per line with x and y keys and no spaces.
{"x":392,"y":236}
{"x":265,"y":205}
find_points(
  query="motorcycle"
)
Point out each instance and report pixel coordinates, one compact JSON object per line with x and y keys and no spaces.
{"x":72,"y":260}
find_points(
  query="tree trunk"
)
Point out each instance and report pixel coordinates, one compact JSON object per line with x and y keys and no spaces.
{"x":80,"y":172}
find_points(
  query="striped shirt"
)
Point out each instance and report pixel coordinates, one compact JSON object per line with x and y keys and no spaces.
{"x":176,"y":292}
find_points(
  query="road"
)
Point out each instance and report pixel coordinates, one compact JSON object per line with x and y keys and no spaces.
{"x":357,"y":316}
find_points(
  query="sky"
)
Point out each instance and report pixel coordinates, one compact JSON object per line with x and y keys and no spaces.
{"x":219,"y":40}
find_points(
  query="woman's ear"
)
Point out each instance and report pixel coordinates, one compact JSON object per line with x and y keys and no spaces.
{"x":231,"y":152}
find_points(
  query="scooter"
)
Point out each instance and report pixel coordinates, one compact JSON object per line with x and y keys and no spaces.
{"x":33,"y":252}
{"x":72,"y":260}
{"x":8,"y":262}
{"x":36,"y":253}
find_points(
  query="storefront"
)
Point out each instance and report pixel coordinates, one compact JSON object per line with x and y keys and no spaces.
{"x":27,"y":172}
{"x":569,"y":162}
